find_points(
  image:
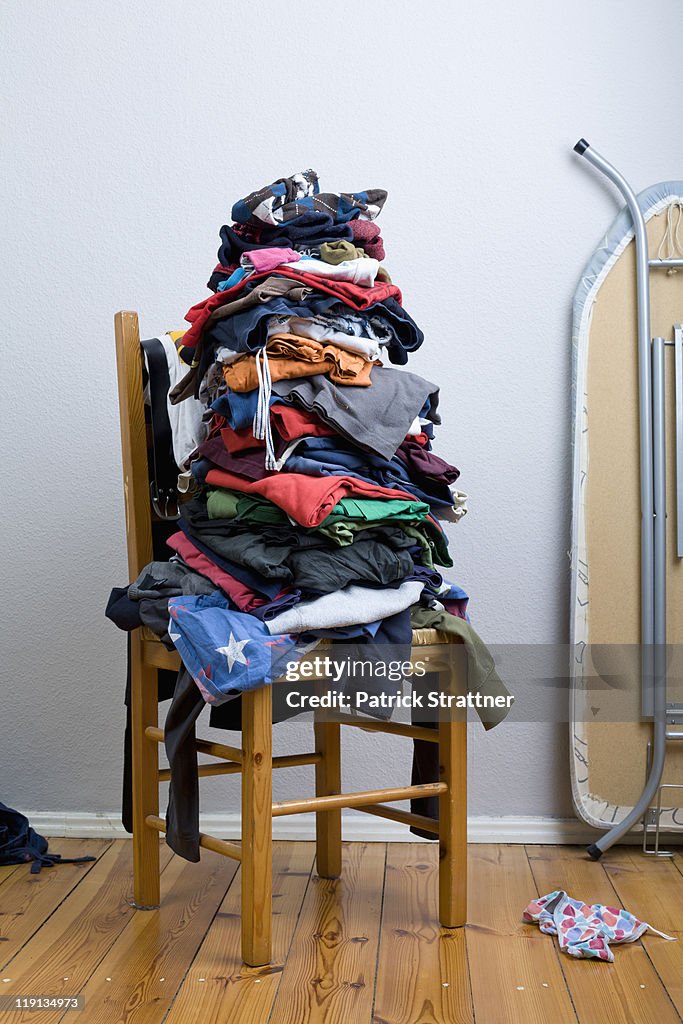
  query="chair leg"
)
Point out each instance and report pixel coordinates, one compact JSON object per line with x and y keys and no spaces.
{"x":453,"y":824}
{"x":257,"y":825}
{"x":144,"y":712}
{"x":328,"y":782}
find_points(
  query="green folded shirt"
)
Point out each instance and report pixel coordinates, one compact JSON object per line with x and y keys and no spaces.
{"x":226,"y":504}
{"x":347,"y":518}
{"x":222,"y":503}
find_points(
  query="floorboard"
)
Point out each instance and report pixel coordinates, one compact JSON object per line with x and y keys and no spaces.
{"x":66,"y":949}
{"x":28,"y":900}
{"x":422,"y":975}
{"x":329,"y":974}
{"x":6,"y":872}
{"x":364,"y":949}
{"x":514,"y":969}
{"x":136,"y":980}
{"x":218,"y":986}
{"x":652,"y":889}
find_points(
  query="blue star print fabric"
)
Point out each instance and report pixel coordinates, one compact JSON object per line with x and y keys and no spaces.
{"x":225,"y":650}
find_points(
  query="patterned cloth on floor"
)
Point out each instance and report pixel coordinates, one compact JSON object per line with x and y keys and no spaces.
{"x":585,"y":930}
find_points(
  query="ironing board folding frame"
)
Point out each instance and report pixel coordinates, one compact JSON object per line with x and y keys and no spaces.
{"x":254,"y":759}
{"x":652,"y":506}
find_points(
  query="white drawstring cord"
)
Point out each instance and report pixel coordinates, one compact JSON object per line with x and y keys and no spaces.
{"x":261,"y":425}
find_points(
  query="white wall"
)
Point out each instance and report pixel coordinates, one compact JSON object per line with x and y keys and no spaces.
{"x":132,"y":127}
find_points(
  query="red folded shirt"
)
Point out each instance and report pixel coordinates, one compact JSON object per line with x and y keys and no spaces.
{"x":292,"y":422}
{"x":307,"y":499}
{"x":289,"y":422}
{"x":357,"y":295}
{"x":241,"y":440}
{"x":354,"y":295}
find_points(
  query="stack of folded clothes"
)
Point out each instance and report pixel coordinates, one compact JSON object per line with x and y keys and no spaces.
{"x":318,"y":498}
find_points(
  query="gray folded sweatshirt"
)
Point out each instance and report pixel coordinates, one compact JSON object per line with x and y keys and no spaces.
{"x":375,"y":418}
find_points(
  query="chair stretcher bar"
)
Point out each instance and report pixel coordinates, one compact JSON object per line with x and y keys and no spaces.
{"x":235,"y":768}
{"x":371,"y":796}
{"x":231,"y":754}
{"x":404,"y":817}
{"x":363,"y":801}
{"x":203,"y":746}
{"x":206,"y":842}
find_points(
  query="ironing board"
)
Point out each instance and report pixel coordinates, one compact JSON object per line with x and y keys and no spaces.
{"x":611,"y":726}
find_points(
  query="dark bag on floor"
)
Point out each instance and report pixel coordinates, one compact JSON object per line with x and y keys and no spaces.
{"x":19,"y":843}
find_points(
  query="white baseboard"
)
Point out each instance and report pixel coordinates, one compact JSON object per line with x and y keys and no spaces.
{"x":357,"y":827}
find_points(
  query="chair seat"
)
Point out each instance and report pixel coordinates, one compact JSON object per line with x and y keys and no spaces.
{"x":158,"y":656}
{"x":421,"y":637}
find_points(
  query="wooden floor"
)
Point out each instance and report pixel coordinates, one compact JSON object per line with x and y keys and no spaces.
{"x":364,"y":949}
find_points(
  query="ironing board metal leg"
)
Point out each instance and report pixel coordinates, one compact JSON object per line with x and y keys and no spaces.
{"x":257,"y":825}
{"x":144,"y":712}
{"x":327,"y":783}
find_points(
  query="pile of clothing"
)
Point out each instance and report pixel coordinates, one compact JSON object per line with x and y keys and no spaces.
{"x":316,"y":500}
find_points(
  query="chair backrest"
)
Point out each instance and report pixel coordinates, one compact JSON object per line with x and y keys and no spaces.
{"x":134,"y":442}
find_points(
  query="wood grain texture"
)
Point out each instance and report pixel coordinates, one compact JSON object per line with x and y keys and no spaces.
{"x":219,"y":987}
{"x":369,"y":796}
{"x":453,"y":824}
{"x":62,"y":955}
{"x":144,"y":704}
{"x":514,"y":969}
{"x":328,"y":827}
{"x":133,"y":441}
{"x":631,"y":994}
{"x":257,"y":825}
{"x":27,"y":900}
{"x":404,"y":817}
{"x":6,"y":871}
{"x":149,"y":959}
{"x":330,"y":970}
{"x":422,"y":974}
{"x":221,"y":846}
{"x":224,"y":750}
{"x":145,"y":785}
{"x":652,"y":889}
{"x":183,"y":962}
{"x":157,"y":656}
{"x":228,"y":768}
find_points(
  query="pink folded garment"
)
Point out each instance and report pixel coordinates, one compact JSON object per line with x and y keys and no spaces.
{"x":238,"y":592}
{"x":261,"y":260}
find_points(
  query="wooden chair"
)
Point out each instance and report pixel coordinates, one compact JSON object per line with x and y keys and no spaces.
{"x":254,"y":760}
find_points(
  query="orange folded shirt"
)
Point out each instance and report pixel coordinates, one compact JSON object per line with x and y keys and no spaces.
{"x":290,"y":356}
